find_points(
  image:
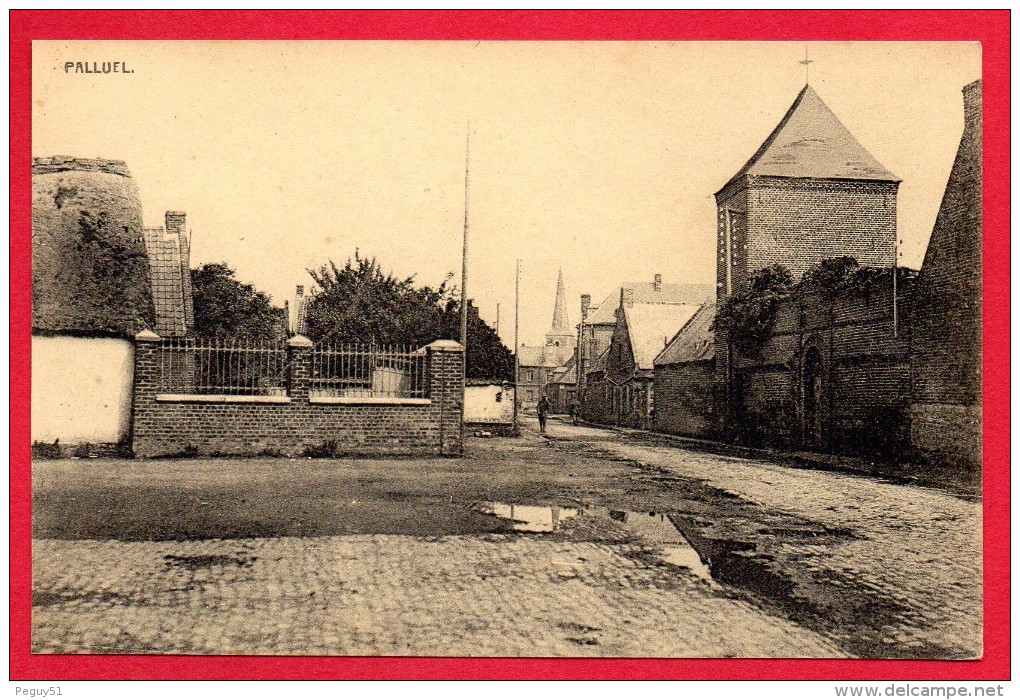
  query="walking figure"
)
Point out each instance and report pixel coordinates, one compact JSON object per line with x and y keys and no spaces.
{"x":575,"y":410}
{"x":543,"y":413}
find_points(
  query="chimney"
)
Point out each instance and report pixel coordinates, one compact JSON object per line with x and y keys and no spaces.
{"x":626,"y":296}
{"x":585,"y":304}
{"x":175,"y":223}
{"x":658,"y":282}
{"x":300,"y":290}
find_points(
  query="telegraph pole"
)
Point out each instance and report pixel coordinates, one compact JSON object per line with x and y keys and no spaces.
{"x":517,"y":344}
{"x":464,"y":254}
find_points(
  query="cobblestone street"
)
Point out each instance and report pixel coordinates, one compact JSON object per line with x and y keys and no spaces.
{"x":419,"y":557}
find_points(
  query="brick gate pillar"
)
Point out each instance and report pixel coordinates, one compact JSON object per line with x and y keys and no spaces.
{"x":446,"y":390}
{"x":145,"y":385}
{"x":299,"y":356}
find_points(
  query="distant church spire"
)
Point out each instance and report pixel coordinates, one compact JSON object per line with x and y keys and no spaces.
{"x":561,"y":323}
{"x":560,"y":334}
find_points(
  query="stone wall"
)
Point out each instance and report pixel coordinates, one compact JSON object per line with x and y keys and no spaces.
{"x":296,"y":424}
{"x":90,"y":271}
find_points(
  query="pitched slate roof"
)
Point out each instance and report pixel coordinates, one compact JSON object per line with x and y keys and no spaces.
{"x":567,"y":374}
{"x":599,"y":363}
{"x":651,"y":326}
{"x":694,"y":342}
{"x":811,"y":142}
{"x":544,"y":356}
{"x":170,"y":272}
{"x":645,"y":293}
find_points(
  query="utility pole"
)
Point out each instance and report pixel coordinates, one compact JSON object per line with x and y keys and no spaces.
{"x":464,"y":254}
{"x":497,"y":318}
{"x":517,"y":344}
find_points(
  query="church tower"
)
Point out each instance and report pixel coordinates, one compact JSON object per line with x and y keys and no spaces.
{"x":560,"y":335}
{"x":810,"y":192}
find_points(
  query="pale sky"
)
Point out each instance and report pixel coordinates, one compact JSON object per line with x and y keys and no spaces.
{"x":597,"y":158}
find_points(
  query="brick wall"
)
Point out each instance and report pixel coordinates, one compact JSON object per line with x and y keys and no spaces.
{"x":863,"y":407}
{"x":685,"y":399}
{"x":946,"y":366}
{"x":294,"y":424}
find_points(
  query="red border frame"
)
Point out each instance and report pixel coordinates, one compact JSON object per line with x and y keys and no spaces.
{"x":991,"y":28}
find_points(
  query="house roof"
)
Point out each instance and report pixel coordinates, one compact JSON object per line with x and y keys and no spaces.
{"x":567,"y":374}
{"x":651,"y":326}
{"x":694,"y":342}
{"x":470,"y":381}
{"x":170,"y":272}
{"x":599,"y":363}
{"x":811,"y":142}
{"x":90,"y":273}
{"x":544,"y":356}
{"x":645,"y":293}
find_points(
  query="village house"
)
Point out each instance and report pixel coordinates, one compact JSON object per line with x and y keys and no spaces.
{"x":685,"y":400}
{"x":489,"y":407}
{"x":536,"y":365}
{"x":618,"y":386}
{"x":562,"y":387}
{"x":98,"y":278}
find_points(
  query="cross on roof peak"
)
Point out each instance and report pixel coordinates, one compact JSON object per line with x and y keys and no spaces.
{"x":807,"y":67}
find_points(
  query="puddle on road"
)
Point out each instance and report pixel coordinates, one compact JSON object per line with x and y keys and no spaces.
{"x":656,"y":528}
{"x":529,"y":518}
{"x":659,"y":529}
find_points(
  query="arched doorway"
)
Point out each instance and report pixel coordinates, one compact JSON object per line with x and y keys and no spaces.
{"x":814,"y":391}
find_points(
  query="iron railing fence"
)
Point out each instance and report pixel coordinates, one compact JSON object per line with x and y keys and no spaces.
{"x":217,"y":366}
{"x":369,"y":371}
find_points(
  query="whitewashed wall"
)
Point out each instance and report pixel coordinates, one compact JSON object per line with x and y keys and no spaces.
{"x":481,"y":405}
{"x":81,"y":389}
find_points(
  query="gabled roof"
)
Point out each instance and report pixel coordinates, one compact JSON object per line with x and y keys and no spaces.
{"x":645,"y":293}
{"x":651,"y":326}
{"x":567,"y":374}
{"x":537,"y":357}
{"x":599,"y":363}
{"x":811,"y":142}
{"x":694,"y":342}
{"x":170,"y":272}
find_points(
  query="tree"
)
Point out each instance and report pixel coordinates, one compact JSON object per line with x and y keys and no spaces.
{"x":229,"y":309}
{"x":748,"y":315}
{"x":359,"y":303}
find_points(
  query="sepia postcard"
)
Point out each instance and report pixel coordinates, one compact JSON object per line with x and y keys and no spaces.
{"x":560,"y":349}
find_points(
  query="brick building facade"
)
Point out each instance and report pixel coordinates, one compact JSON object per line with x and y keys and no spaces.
{"x":946,"y":366}
{"x":685,"y":387}
{"x":884,"y":361}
